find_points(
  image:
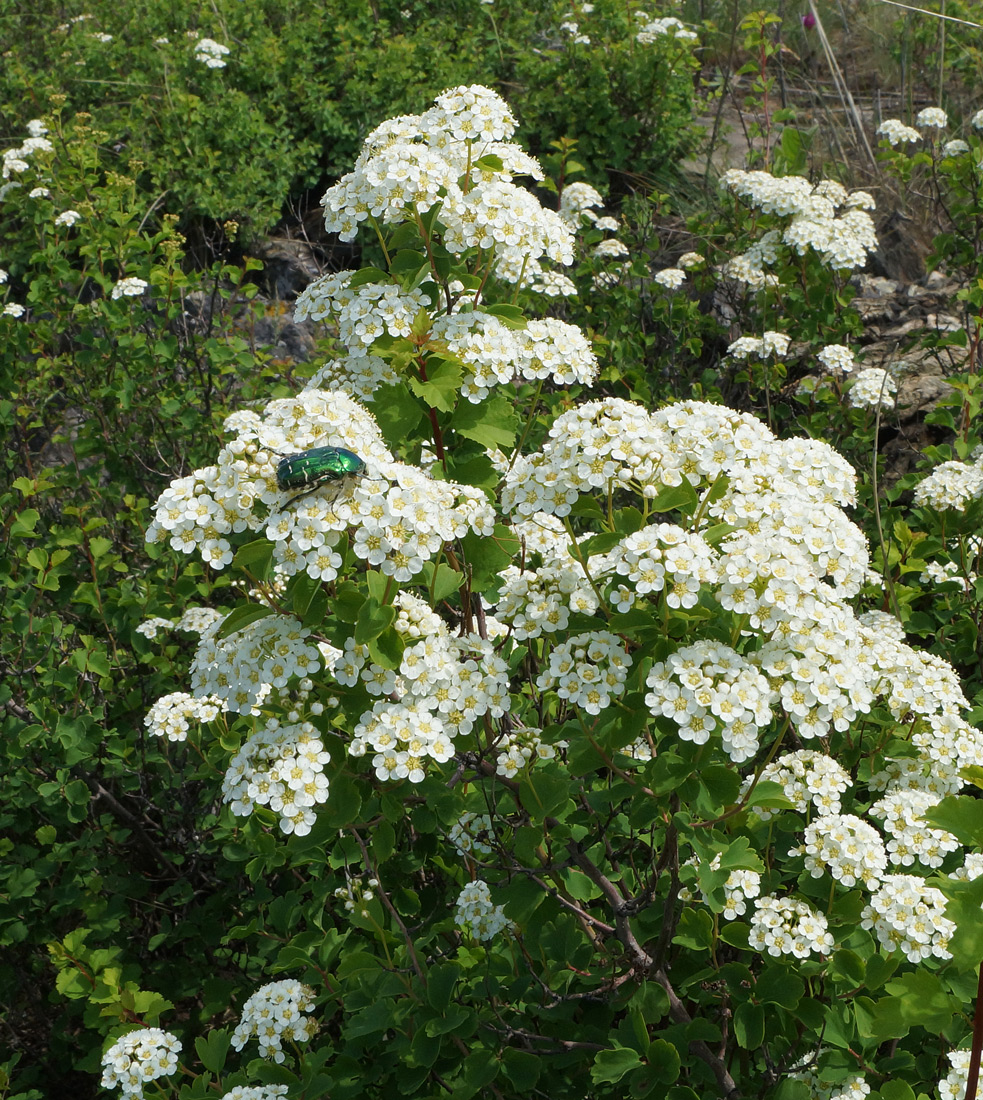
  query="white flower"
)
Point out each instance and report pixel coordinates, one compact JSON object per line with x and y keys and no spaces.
{"x":129,"y":288}
{"x":871,"y":388}
{"x":274,"y":1013}
{"x":611,"y":248}
{"x":210,"y":53}
{"x":138,"y":1058}
{"x":897,"y":132}
{"x":932,"y":117}
{"x":13,"y":309}
{"x":837,"y":358}
{"x":955,"y":148}
{"x":68,"y":217}
{"x":670,"y":277}
{"x":476,"y":912}
{"x":784,"y":926}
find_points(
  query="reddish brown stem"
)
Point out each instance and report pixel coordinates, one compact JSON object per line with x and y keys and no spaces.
{"x":973,"y":1076}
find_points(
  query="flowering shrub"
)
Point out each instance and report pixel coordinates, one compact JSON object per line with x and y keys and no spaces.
{"x":642,"y":797}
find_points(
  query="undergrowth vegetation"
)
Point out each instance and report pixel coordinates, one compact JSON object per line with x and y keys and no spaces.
{"x":511,"y":667}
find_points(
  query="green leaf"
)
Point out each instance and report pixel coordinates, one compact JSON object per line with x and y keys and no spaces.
{"x":383,"y":841}
{"x":397,"y":413}
{"x":301,"y":590}
{"x":961,"y":816}
{"x":343,"y":805}
{"x":521,"y":1068}
{"x":779,"y":984}
{"x":443,"y":382}
{"x":492,"y":422}
{"x":749,"y":1025}
{"x":672,"y":498}
{"x":407,"y":262}
{"x":611,"y":1065}
{"x":896,"y":1090}
{"x":245,"y":614}
{"x":663,"y":1059}
{"x":441,"y":580}
{"x":23,"y":526}
{"x":544,"y":791}
{"x":480,"y":1069}
{"x":695,"y":930}
{"x":454,"y":1018}
{"x":736,"y":934}
{"x":255,"y":557}
{"x":212,"y":1050}
{"x":769,"y":796}
{"x":372,"y":620}
{"x":511,"y":316}
{"x":440,"y":984}
{"x":923,"y":1000}
{"x":387,"y":649}
{"x":489,"y":555}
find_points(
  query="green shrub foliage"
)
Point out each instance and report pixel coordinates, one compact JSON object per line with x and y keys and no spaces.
{"x":558,"y":722}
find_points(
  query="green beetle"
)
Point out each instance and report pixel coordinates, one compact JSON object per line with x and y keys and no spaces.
{"x":311,"y":469}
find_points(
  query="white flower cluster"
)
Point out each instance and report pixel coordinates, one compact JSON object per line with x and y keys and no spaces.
{"x":955,"y":148}
{"x":195,"y":620}
{"x":540,"y":601}
{"x":615,"y":444}
{"x":825,"y":218}
{"x":784,"y":926}
{"x":280,"y":766}
{"x":672,"y":278}
{"x":470,"y":833}
{"x":129,"y":288}
{"x":274,"y":1013}
{"x":872,"y":387}
{"x":932,"y":118}
{"x":912,"y":839}
{"x":497,"y":354}
{"x":211,"y":53}
{"x":807,"y":777}
{"x":588,"y":670}
{"x":568,"y":26}
{"x":669,"y":26}
{"x":577,"y":201}
{"x":139,"y":1057}
{"x":412,"y":163}
{"x":247,"y":665}
{"x":853,"y":1088}
{"x":844,"y":847}
{"x":476,"y":912}
{"x":897,"y":133}
{"x":356,"y":892}
{"x":521,"y":748}
{"x":661,"y":557}
{"x":17,"y":159}
{"x":909,"y":916}
{"x":741,"y":885}
{"x":171,"y":716}
{"x":362,"y":313}
{"x":837,"y":359}
{"x":443,"y":686}
{"x":953,"y":1085}
{"x":256,"y":1092}
{"x":761,"y":347}
{"x":706,"y":688}
{"x":951,"y":485}
{"x":396,"y":527}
